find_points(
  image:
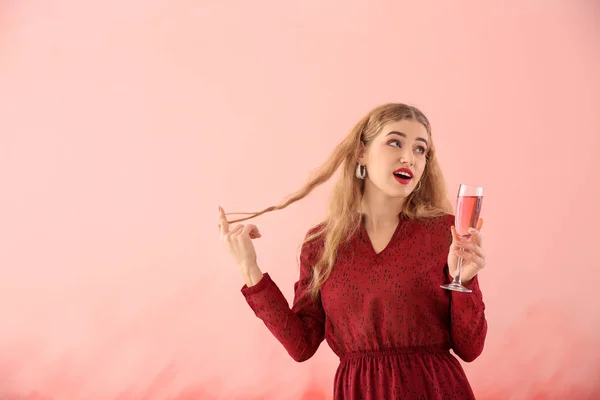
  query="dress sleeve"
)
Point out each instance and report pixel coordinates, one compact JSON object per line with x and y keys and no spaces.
{"x":468,"y":323}
{"x":301,"y":328}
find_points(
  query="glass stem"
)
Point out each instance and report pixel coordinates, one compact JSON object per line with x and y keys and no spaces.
{"x":457,"y":277}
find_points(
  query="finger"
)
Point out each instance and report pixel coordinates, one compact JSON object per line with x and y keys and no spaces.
{"x":250,"y":230}
{"x":237,"y":230}
{"x":479,"y":262}
{"x":470,"y":246}
{"x":476,"y":236}
{"x":479,"y":224}
{"x":255,"y":234}
{"x":455,"y":238}
{"x":223,"y":224}
{"x":234,"y":232}
{"x":476,"y":232}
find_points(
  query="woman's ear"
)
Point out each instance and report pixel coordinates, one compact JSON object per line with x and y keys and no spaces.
{"x":360,"y":153}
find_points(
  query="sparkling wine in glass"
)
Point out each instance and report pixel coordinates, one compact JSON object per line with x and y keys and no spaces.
{"x":468,"y":208}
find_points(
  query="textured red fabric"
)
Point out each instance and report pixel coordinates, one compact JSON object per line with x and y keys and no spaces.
{"x":384,"y":315}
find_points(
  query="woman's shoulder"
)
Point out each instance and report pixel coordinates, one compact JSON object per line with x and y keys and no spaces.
{"x":314,"y":232}
{"x":312,"y":245}
{"x":314,"y":236}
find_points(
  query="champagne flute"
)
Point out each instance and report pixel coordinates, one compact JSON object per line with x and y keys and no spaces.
{"x":468,"y":208}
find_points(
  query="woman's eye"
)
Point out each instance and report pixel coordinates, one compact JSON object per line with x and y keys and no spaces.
{"x":395,"y":143}
{"x":421,"y":149}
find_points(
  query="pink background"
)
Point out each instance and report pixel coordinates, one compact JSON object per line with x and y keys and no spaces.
{"x":124,"y":124}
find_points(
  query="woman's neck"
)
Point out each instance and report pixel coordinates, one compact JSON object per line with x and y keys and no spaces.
{"x":379,"y":210}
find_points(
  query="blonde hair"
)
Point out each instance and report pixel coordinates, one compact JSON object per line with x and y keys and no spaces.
{"x":344,"y":215}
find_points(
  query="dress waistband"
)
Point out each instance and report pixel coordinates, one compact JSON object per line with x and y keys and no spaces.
{"x":394,"y":352}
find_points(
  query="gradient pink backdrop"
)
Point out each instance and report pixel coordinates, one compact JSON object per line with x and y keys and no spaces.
{"x":124,"y":124}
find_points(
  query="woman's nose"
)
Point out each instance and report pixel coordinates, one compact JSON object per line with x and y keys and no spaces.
{"x":406,"y":158}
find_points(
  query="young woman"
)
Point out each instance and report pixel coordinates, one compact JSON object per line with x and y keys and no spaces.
{"x":370,"y":274}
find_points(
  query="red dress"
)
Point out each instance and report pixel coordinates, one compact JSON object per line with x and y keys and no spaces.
{"x":385,"y":316}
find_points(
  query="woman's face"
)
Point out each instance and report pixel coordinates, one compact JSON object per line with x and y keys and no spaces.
{"x":395,"y":158}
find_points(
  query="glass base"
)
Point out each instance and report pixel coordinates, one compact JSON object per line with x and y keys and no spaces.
{"x":456,"y":287}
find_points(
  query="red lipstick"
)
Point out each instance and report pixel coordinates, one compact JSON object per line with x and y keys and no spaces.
{"x":403,"y":175}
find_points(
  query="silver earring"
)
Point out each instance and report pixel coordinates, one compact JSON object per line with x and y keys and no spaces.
{"x":361,"y":171}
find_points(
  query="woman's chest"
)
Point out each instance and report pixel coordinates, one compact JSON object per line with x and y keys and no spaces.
{"x":410,"y":269}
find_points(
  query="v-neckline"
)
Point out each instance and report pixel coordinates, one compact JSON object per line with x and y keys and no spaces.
{"x":368,"y":241}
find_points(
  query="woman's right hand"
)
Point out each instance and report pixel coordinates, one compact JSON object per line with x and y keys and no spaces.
{"x":238,"y":241}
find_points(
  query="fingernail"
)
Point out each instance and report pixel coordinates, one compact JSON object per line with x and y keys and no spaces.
{"x":472,"y":230}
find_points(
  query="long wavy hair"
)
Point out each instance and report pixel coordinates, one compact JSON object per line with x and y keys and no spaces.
{"x":344,"y":214}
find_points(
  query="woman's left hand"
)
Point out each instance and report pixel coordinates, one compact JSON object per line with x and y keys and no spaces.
{"x":471,"y":252}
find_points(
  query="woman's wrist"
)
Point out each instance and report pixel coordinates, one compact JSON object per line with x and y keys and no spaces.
{"x":251,"y":274}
